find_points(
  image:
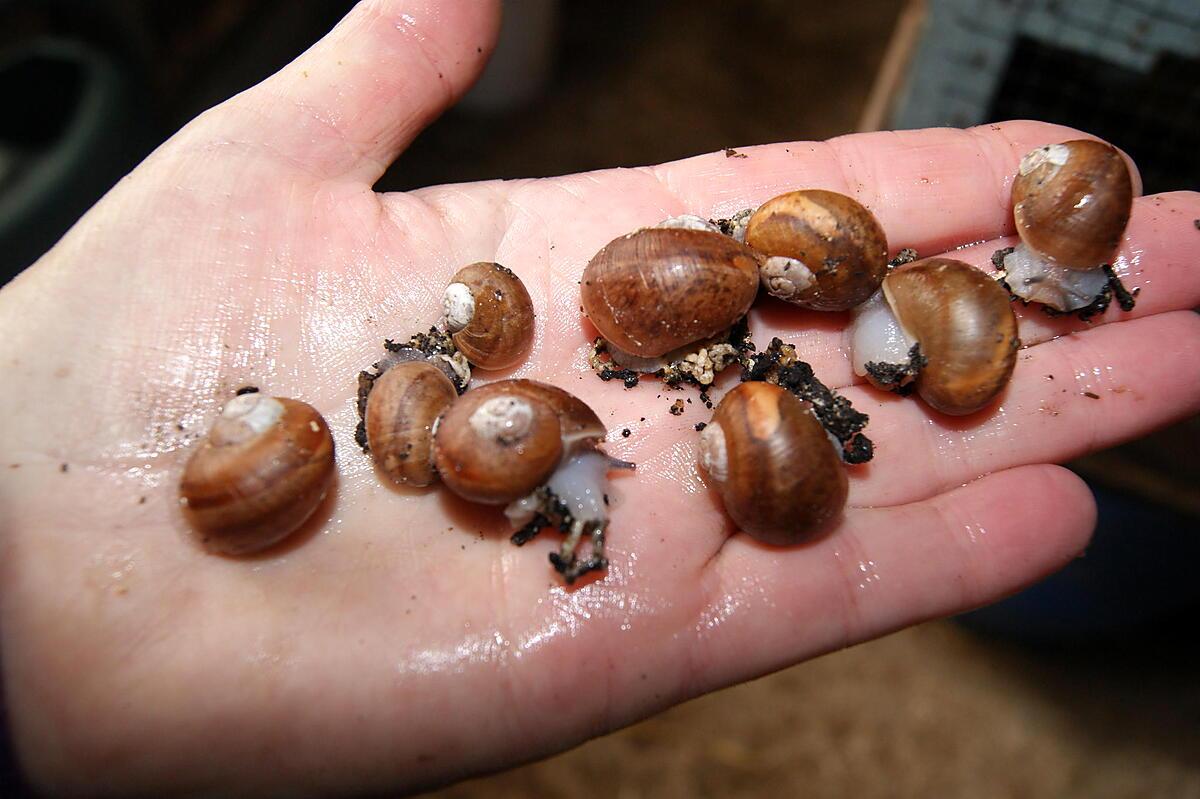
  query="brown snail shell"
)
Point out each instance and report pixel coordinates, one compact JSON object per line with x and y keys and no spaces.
{"x":778,"y":474}
{"x":404,"y":404}
{"x":265,"y":466}
{"x":489,"y":315}
{"x":840,"y":248}
{"x":1071,"y":202}
{"x":965,"y":325}
{"x":499,"y":442}
{"x":658,"y":289}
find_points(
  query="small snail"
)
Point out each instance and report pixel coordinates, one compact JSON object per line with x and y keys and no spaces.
{"x":489,"y":315}
{"x":659,"y":289}
{"x":1071,"y":203}
{"x":824,"y":250}
{"x":265,"y":467}
{"x":778,"y":473}
{"x":945,"y":325}
{"x":402,"y":408}
{"x":534,"y":447}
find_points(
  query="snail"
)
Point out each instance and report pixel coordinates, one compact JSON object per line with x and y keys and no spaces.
{"x":657,"y":290}
{"x":533,"y":447}
{"x":942,"y":325}
{"x":265,"y":467}
{"x":823,"y":250}
{"x":489,"y":315}
{"x":1071,"y":203}
{"x":433,"y":349}
{"x":402,"y":409}
{"x":779,"y":475}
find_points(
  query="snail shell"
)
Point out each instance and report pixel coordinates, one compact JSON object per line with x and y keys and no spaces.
{"x":658,"y":289}
{"x":965,"y":325}
{"x":265,"y":466}
{"x":826,"y":251}
{"x":499,"y":442}
{"x":404,"y":404}
{"x":1071,"y":202}
{"x":776,"y":470}
{"x":489,"y":315}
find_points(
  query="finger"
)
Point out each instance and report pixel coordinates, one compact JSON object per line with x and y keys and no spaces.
{"x":932,"y":190}
{"x":1077,"y":394}
{"x":351,"y":103}
{"x":1157,"y":257}
{"x":882,"y":570}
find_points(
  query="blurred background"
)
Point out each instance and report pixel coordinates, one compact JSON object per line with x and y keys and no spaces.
{"x":1084,"y":686}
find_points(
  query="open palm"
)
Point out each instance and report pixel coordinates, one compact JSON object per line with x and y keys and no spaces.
{"x":401,"y":640}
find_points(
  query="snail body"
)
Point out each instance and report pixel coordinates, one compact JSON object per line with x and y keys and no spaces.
{"x":402,"y":408}
{"x":823,"y":250}
{"x":1071,"y":204}
{"x":659,"y":289}
{"x":264,"y":468}
{"x":489,"y":315}
{"x":779,"y":475}
{"x":961,"y":321}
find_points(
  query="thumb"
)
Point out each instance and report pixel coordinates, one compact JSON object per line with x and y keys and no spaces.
{"x":355,"y":100}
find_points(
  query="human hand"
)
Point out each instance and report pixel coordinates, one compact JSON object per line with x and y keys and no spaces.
{"x":401,"y":640}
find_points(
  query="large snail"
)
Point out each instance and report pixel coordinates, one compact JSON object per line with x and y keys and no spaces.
{"x":658,"y":290}
{"x":1071,"y":203}
{"x":942,"y":324}
{"x":779,"y":475}
{"x":823,"y":250}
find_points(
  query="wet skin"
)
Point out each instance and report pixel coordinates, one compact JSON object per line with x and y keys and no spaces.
{"x":401,"y":640}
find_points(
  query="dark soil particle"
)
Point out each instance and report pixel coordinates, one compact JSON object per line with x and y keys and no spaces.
{"x":833,"y":410}
{"x":676,"y":408}
{"x":700,"y":426}
{"x":529,"y":531}
{"x":626,"y":433}
{"x":246,"y":390}
{"x":905,"y":256}
{"x":64,"y":468}
{"x":899,"y":377}
{"x":998,"y":257}
{"x":1091,"y":395}
{"x":627,"y":376}
{"x":555,"y":513}
{"x":1124,"y":297}
{"x":732,"y":153}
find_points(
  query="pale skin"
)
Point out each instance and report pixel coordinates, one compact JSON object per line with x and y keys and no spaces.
{"x":400,"y":640}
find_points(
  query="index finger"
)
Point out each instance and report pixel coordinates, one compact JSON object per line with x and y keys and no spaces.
{"x":932,"y":190}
